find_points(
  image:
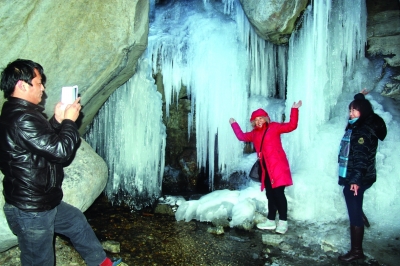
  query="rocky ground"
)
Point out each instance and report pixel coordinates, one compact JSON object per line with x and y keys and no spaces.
{"x":148,"y":238}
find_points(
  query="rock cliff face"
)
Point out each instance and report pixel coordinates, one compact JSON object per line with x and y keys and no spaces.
{"x":92,"y":44}
{"x":383,"y":33}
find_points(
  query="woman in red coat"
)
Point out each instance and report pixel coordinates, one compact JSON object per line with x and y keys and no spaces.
{"x":275,"y":166}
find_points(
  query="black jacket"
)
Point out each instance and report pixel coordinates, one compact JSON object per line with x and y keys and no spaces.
{"x":363,"y":146}
{"x":32,"y":151}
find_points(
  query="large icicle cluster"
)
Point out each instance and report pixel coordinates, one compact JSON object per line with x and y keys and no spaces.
{"x":322,"y":54}
{"x":129,"y":134}
{"x":192,"y":49}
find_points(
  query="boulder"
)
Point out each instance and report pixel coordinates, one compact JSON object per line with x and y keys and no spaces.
{"x":85,"y":179}
{"x":274,"y":20}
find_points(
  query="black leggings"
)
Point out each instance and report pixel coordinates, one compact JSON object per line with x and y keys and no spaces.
{"x":355,"y":204}
{"x":276,"y":200}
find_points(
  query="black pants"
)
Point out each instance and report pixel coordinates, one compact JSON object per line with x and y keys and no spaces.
{"x":276,"y":200}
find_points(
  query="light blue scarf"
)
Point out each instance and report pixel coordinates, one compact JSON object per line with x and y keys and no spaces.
{"x":344,"y":151}
{"x":352,"y":121}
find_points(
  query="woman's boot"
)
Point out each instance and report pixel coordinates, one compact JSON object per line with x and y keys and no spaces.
{"x":365,"y":220}
{"x":356,"y":252}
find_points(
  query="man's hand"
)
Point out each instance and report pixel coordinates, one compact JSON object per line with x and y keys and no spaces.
{"x":59,"y":112}
{"x":231,"y":120}
{"x":72,"y":111}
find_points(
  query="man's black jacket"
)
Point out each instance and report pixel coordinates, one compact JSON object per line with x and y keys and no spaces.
{"x":32,"y":151}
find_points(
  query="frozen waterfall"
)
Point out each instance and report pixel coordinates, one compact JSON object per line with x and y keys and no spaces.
{"x":210,"y":47}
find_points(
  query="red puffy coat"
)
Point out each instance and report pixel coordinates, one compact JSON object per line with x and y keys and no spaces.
{"x":272,"y":151}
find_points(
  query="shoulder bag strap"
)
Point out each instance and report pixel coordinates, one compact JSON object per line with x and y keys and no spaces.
{"x":262,"y":140}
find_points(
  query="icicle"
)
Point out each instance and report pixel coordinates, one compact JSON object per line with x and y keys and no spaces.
{"x":228,"y":6}
{"x":321,"y":55}
{"x":129,"y":134}
{"x":267,"y":60}
{"x":152,"y":12}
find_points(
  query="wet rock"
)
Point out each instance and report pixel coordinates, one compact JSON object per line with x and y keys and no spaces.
{"x":259,"y":218}
{"x":246,"y":225}
{"x":327,"y":245}
{"x":241,"y":239}
{"x":111,"y":246}
{"x":272,"y":239}
{"x":285,"y":247}
{"x":164,"y":209}
{"x":222,"y":222}
{"x":219,"y":230}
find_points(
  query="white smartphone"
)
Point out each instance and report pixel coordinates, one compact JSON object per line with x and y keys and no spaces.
{"x":69,"y":94}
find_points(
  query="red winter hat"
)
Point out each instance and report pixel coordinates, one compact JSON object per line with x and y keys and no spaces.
{"x":257,"y":113}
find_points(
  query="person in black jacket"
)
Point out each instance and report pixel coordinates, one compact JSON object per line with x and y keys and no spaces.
{"x":357,"y":170}
{"x":32,"y":153}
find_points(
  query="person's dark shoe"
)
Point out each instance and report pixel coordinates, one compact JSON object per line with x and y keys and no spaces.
{"x":352,"y":255}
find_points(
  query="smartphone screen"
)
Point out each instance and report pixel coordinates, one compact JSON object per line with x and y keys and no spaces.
{"x":69,"y":94}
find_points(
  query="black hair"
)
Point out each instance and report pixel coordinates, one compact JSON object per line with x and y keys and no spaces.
{"x":20,"y":69}
{"x":363,"y":106}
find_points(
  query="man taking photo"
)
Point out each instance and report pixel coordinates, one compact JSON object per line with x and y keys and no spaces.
{"x":32,"y":152}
